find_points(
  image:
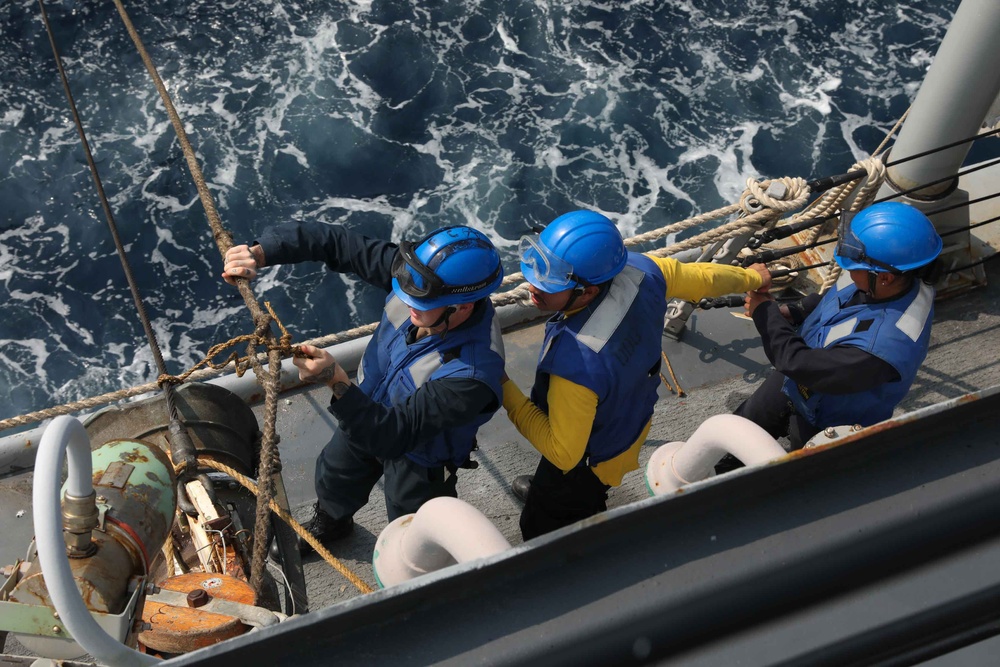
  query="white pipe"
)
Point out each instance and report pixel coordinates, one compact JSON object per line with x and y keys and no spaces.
{"x":61,"y":434}
{"x":443,"y":532}
{"x":677,"y":464}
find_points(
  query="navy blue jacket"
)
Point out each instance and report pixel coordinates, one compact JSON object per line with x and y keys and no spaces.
{"x":836,"y":370}
{"x":897,"y":331}
{"x":386,"y":431}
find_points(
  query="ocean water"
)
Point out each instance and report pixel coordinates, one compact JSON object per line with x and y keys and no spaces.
{"x":393,"y":117}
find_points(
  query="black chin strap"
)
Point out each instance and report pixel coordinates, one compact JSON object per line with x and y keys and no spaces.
{"x":448,"y":312}
{"x":872,"y":278}
{"x":577,"y":293}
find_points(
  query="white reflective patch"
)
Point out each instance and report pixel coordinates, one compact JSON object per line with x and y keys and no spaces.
{"x":843,"y":329}
{"x":545,"y":349}
{"x":604,"y":321}
{"x":913,"y":321}
{"x":424,"y":367}
{"x":496,"y":338}
{"x":359,"y":377}
{"x":396,"y":312}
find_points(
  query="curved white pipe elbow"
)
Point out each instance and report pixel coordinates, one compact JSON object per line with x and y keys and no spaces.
{"x":443,"y":532}
{"x":679,"y":463}
{"x":67,"y":433}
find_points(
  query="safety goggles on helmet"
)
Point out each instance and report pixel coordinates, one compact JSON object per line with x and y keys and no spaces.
{"x":548,"y":268}
{"x":849,"y":246}
{"x":407,"y":263}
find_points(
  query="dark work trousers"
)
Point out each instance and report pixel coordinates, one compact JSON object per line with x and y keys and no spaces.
{"x":346,"y":475}
{"x":769,"y":408}
{"x":557,"y":499}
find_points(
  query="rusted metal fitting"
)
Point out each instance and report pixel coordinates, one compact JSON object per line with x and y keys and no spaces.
{"x":80,"y":518}
{"x":199,"y":597}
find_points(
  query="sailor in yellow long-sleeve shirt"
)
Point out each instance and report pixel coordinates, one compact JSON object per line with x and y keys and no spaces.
{"x":598,"y":371}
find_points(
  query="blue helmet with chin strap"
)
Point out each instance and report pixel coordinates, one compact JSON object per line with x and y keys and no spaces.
{"x":450,"y":266}
{"x":576,"y":249}
{"x":888,"y":237}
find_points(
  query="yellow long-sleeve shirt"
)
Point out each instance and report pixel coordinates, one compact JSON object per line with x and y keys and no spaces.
{"x":561,"y":435}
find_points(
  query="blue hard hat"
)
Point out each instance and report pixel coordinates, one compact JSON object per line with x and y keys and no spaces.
{"x":577,"y":248}
{"x":450,"y":266}
{"x":889,"y":237}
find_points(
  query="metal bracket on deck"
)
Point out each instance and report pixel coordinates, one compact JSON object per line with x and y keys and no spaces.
{"x":247,"y":614}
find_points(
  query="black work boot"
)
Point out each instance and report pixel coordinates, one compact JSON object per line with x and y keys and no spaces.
{"x":520,"y":486}
{"x":325,"y":528}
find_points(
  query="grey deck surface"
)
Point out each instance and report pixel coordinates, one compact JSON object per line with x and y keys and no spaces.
{"x":964,"y":356}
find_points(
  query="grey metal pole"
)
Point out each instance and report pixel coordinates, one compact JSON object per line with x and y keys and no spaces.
{"x":953,"y":100}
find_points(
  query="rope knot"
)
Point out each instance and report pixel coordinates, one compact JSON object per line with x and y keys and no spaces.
{"x":795,"y":192}
{"x":875,"y":168}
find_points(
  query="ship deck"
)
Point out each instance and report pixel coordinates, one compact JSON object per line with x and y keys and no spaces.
{"x":718,"y":362}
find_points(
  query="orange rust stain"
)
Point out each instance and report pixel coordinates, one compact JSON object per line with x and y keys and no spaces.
{"x":133,"y":456}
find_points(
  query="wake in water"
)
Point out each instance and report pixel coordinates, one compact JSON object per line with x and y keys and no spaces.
{"x":393,"y":118}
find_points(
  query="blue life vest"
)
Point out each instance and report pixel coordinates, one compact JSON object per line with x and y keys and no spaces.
{"x":391,"y":371}
{"x":897,"y":331}
{"x":612,"y":347}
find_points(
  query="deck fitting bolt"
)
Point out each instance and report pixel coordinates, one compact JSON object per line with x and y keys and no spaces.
{"x":829,"y":432}
{"x":56,"y":629}
{"x":198,"y":598}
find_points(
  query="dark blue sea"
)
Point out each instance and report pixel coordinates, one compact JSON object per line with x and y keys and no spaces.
{"x":392,"y":117}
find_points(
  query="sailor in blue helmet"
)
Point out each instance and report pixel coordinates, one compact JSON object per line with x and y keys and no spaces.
{"x":599,"y":367}
{"x":429,"y":378}
{"x":850,"y":356}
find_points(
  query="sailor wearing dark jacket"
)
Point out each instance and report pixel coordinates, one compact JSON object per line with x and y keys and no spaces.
{"x":599,"y":367}
{"x":850,"y":356}
{"x":429,"y":378}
